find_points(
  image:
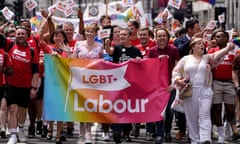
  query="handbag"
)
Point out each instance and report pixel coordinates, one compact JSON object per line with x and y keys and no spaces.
{"x":186,"y":91}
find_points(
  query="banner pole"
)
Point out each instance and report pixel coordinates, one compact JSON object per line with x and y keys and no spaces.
{"x":106,"y":7}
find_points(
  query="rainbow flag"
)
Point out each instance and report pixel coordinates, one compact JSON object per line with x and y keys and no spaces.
{"x":236,"y":41}
{"x":99,"y":91}
{"x":35,"y":22}
{"x":212,"y":2}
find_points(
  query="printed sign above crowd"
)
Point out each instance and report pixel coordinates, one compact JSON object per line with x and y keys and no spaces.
{"x":118,"y":11}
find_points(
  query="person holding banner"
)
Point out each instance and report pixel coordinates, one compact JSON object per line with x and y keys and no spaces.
{"x":163,"y":48}
{"x":58,"y":46}
{"x":68,"y":28}
{"x":145,"y":41}
{"x":88,"y":49}
{"x":122,"y":53}
{"x":196,"y":68}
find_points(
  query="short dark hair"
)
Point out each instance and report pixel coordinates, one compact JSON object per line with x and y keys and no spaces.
{"x":135,"y":23}
{"x":57,"y":31}
{"x":168,"y":34}
{"x":224,"y":32}
{"x":103,"y":17}
{"x":146,"y":29}
{"x":191,"y":23}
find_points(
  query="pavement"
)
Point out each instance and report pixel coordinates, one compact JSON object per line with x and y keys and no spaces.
{"x":97,"y":137}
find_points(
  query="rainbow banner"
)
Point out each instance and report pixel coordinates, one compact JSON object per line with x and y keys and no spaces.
{"x":99,"y":91}
{"x":236,"y":41}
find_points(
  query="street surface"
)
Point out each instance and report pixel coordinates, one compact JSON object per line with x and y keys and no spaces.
{"x":97,"y":137}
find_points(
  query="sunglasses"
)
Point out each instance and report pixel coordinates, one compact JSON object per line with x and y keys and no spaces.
{"x":24,"y":20}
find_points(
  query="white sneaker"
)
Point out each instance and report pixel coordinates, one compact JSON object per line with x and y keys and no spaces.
{"x":106,"y":136}
{"x":12,"y":139}
{"x":87,"y":138}
{"x":149,"y":136}
{"x":21,"y":135}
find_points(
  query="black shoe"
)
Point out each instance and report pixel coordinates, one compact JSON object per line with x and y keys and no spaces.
{"x":39,"y":128}
{"x":63,"y":135}
{"x":70,"y":132}
{"x":3,"y":134}
{"x":58,"y":141}
{"x":207,"y":142}
{"x":49,"y":135}
{"x":44,"y":132}
{"x":117,"y":138}
{"x":31,"y":132}
{"x":168,"y":137}
{"x":137,"y":130}
{"x":235,"y":136}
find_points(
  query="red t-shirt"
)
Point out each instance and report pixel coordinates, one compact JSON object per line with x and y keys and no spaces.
{"x":145,"y":49}
{"x":33,"y":42}
{"x":3,"y":60}
{"x":71,"y":45}
{"x":22,"y":61}
{"x":223,"y":71}
{"x":8,"y":45}
{"x":135,"y":42}
{"x":44,"y":49}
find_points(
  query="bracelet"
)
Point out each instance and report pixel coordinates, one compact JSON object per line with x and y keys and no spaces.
{"x":35,"y":88}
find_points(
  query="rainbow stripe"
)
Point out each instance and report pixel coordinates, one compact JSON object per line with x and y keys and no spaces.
{"x":36,"y":21}
{"x":236,"y":41}
{"x":98,"y":91}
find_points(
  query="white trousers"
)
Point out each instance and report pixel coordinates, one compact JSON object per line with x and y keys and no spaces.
{"x":198,"y":114}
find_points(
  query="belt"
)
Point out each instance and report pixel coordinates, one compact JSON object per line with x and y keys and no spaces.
{"x":229,"y":81}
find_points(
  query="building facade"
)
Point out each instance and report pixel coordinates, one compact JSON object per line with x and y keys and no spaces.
{"x":204,"y":12}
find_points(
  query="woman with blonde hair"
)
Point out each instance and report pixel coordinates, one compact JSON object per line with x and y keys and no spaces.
{"x":88,"y":49}
{"x":195,"y":68}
